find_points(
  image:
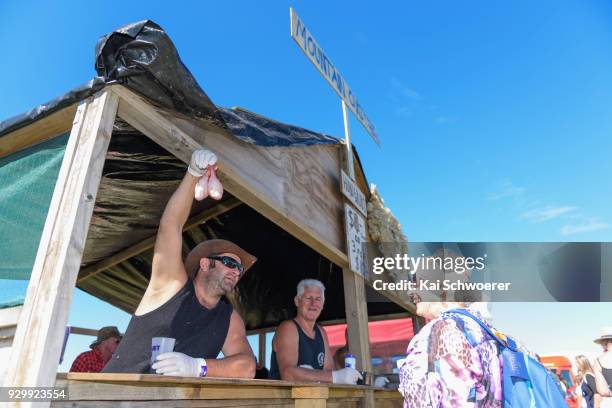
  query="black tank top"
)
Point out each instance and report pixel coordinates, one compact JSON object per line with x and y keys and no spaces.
{"x":310,"y":351}
{"x":199,"y":332}
{"x":607,"y":373}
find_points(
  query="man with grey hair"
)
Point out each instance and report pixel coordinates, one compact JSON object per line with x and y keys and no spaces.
{"x":300,"y":349}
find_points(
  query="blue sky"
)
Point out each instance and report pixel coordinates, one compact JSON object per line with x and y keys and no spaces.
{"x":494,"y":116}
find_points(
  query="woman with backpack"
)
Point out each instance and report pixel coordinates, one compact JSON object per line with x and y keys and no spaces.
{"x":457,"y":360}
{"x":451,"y":361}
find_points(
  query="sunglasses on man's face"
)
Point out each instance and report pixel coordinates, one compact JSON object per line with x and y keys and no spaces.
{"x":229,"y":262}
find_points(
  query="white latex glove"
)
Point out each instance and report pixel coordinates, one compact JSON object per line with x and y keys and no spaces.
{"x":306,"y":366}
{"x":177,"y":364}
{"x":200,"y":160}
{"x":381,"y":382}
{"x":347,"y":375}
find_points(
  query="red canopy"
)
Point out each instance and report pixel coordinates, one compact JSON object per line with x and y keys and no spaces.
{"x":383,"y":331}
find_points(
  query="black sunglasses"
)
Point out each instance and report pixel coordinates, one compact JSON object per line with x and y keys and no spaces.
{"x":229,"y":262}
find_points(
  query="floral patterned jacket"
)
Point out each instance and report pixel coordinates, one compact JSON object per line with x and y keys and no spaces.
{"x":452,"y":362}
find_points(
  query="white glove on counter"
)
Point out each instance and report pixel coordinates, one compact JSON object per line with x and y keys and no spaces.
{"x":177,"y":364}
{"x":200,"y":160}
{"x":347,"y":375}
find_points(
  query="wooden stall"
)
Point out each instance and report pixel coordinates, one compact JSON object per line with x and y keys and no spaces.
{"x":281,"y":196}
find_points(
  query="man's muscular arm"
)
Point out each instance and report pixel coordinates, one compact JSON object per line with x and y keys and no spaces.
{"x":238,"y":360}
{"x":168,"y":273}
{"x":286,"y":348}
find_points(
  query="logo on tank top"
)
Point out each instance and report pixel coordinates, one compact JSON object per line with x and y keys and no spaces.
{"x":321,"y":358}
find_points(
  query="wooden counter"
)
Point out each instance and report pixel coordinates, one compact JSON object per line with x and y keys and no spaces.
{"x":147,"y":390}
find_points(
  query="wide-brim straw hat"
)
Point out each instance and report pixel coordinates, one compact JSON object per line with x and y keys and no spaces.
{"x":216,"y":247}
{"x":606,"y":334}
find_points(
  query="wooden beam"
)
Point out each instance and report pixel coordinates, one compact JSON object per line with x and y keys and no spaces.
{"x":417,"y":323}
{"x":355,"y":302}
{"x":294,"y":187}
{"x":261,"y":355}
{"x":357,"y":319}
{"x":38,"y":340}
{"x":47,"y":128}
{"x":83,"y":331}
{"x":10,"y":316}
{"x":148,"y":243}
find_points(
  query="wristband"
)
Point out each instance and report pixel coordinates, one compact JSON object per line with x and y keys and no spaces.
{"x":203,"y":367}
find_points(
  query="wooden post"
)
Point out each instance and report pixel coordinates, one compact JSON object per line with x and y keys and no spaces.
{"x":261,"y":357}
{"x":355,"y":302}
{"x":350,"y":167}
{"x":310,"y":397}
{"x":417,"y":323}
{"x":38,"y":339}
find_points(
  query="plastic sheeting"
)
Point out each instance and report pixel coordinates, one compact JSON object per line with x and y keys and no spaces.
{"x":142,"y":57}
{"x":71,"y":97}
{"x":256,"y":129}
{"x":28,"y":179}
{"x":27,"y":182}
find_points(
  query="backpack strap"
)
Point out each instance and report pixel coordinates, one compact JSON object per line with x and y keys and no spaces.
{"x":509,"y":343}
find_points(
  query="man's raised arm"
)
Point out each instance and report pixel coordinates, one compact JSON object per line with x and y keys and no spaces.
{"x":167,"y":268}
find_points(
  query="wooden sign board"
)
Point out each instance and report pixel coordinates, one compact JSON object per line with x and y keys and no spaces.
{"x":353,"y":193}
{"x":321,"y":61}
{"x":355,"y":240}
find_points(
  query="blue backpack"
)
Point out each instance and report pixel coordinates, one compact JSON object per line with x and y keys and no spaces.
{"x":526,"y":383}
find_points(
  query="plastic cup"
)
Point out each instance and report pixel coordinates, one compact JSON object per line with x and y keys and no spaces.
{"x":160,"y":345}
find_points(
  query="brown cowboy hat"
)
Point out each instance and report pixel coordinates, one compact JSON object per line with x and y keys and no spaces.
{"x":216,"y":247}
{"x":106,"y":333}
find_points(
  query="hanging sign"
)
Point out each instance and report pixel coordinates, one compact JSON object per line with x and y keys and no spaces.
{"x":321,"y":61}
{"x":353,"y":193}
{"x":355,"y":239}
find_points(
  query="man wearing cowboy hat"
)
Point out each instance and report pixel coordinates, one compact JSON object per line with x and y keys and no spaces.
{"x":94,"y":360}
{"x":186,"y":301}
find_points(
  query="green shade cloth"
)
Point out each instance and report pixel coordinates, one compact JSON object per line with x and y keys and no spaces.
{"x":27,"y":180}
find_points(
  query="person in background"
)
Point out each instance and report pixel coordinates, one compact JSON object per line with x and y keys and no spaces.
{"x":339,"y":362}
{"x":94,"y":360}
{"x":586,"y":387}
{"x":578,"y":390}
{"x":300,"y":349}
{"x":603,"y":367}
{"x":341,"y":352}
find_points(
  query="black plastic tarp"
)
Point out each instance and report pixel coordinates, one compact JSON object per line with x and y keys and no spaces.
{"x":142,"y":57}
{"x":259,"y":130}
